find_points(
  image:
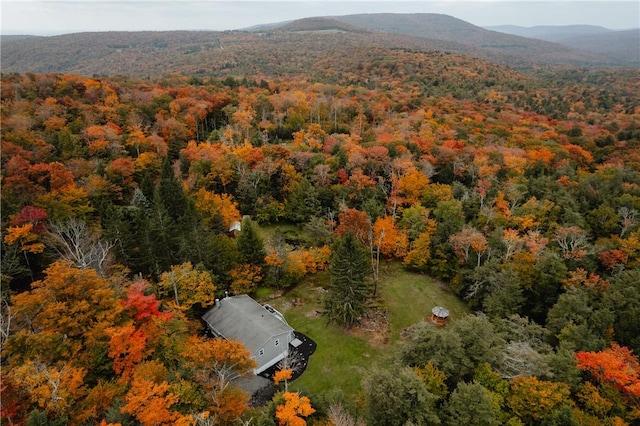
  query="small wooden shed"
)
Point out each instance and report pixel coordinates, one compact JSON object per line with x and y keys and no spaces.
{"x":439,"y":316}
{"x":234,"y":228}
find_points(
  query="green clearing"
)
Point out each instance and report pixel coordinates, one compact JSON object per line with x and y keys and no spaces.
{"x":286,"y":229}
{"x":409,"y":297}
{"x":344,"y":358}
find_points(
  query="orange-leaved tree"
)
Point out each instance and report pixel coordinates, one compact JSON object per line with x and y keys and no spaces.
{"x":388,"y":239}
{"x":127,"y":347}
{"x":24,"y":236}
{"x":411,"y":186}
{"x":214,"y":363}
{"x":149,"y":399}
{"x":70,"y":309}
{"x":617,"y":366}
{"x":283,"y":375}
{"x":25,"y":230}
{"x":469,"y":238}
{"x":213,"y":204}
{"x":357,"y":222}
{"x":294,"y":408}
{"x":245,"y":277}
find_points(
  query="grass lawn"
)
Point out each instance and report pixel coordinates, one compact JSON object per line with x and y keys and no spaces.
{"x":341,"y":359}
{"x":287,"y":229}
{"x":344,"y":358}
{"x":409,"y":297}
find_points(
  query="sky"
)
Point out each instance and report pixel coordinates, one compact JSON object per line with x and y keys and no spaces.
{"x":51,"y":17}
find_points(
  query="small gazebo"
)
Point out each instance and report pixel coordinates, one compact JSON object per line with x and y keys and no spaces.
{"x":439,"y":316}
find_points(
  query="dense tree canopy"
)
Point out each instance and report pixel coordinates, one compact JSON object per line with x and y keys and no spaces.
{"x":519,"y":193}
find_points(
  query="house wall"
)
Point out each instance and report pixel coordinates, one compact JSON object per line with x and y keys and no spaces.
{"x":272,"y":353}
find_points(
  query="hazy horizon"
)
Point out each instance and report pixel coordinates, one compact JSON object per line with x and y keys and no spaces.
{"x":51,"y":17}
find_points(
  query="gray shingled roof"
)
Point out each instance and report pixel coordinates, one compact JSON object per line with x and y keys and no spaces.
{"x":243,"y":319}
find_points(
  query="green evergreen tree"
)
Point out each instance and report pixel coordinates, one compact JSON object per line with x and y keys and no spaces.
{"x":163,"y":236}
{"x":581,"y":320}
{"x":303,"y":203}
{"x":398,"y":397}
{"x":456,"y":350}
{"x":470,"y":404}
{"x":170,"y":192}
{"x":349,"y":288}
{"x":129,"y":227}
{"x":624,"y":298}
{"x":450,"y":219}
{"x":223,"y":255}
{"x":504,"y":294}
{"x":40,"y":418}
{"x":147,"y":186}
{"x":549,"y":270}
{"x":250,"y":244}
{"x":318,"y":231}
{"x":216,"y":224}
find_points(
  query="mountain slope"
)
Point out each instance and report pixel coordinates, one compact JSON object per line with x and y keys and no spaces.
{"x":460,"y":36}
{"x":321,"y":24}
{"x":494,"y":45}
{"x":623,"y":47}
{"x":152,"y":54}
{"x":553,"y":33}
{"x":288,"y":48}
{"x":428,"y":25}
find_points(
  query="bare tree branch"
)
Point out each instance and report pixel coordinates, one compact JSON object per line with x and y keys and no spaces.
{"x":5,"y":321}
{"x":74,"y":241}
{"x":338,"y":416}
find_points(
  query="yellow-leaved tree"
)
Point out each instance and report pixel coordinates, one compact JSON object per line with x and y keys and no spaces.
{"x":215,"y":363}
{"x":188,"y":286}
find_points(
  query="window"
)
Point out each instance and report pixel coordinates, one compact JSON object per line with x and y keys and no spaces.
{"x":261,"y":352}
{"x":276,"y":343}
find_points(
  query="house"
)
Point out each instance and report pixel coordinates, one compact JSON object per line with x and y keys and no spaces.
{"x":262,"y":329}
{"x":234,"y":228}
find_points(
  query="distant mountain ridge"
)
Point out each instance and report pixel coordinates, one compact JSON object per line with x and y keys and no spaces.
{"x":553,"y":33}
{"x":321,"y":24}
{"x":7,"y":37}
{"x":153,"y":54}
{"x":279,"y":48}
{"x":493,"y":45}
{"x":621,"y":46}
{"x":429,"y":25}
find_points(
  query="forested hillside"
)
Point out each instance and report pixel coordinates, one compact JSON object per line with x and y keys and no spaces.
{"x":519,"y":194}
{"x":276,"y":50}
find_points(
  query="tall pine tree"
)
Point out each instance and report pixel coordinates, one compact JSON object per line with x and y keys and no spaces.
{"x":349,"y":288}
{"x":250,"y":245}
{"x":303,"y":203}
{"x":170,"y":192}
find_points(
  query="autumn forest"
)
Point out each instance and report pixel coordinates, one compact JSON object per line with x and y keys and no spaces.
{"x":514,"y":189}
